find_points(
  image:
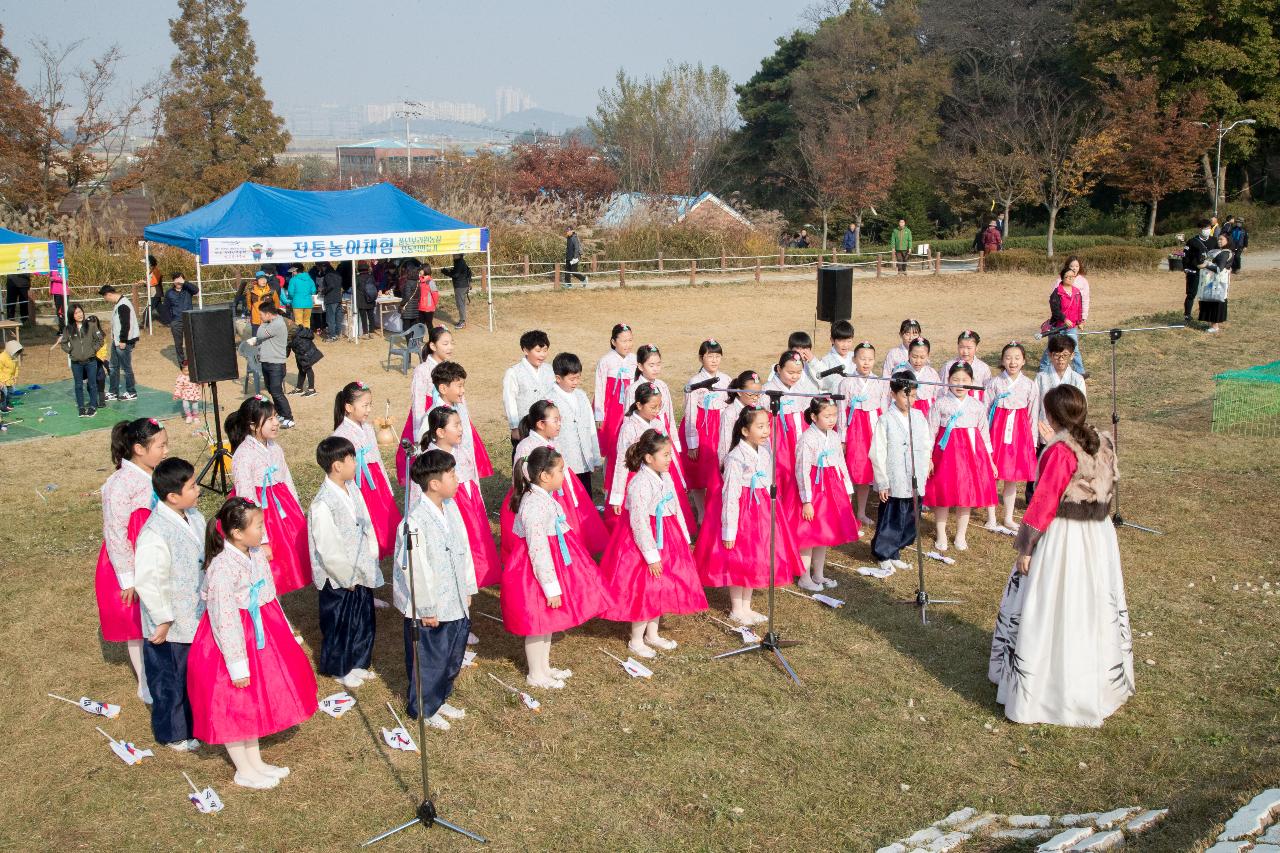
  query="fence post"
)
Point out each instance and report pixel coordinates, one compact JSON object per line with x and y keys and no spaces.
{"x":556,"y":276}
{"x":757,"y":270}
{"x":622,"y":274}
{"x":133,"y":294}
{"x":525,"y":260}
{"x":724,"y":263}
{"x":595,"y":262}
{"x":484,"y":279}
{"x":661,"y":267}
{"x":982,"y":262}
{"x":782,"y":257}
{"x":877,"y":265}
{"x":937,"y":263}
{"x":693,"y":271}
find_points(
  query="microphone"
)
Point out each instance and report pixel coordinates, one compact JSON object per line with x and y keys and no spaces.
{"x":408,"y":446}
{"x":698,"y":386}
{"x":838,"y":369}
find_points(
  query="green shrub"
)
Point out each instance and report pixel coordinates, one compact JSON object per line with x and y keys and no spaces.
{"x":1109,"y":258}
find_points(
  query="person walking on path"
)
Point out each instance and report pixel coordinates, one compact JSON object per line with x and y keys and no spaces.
{"x":572,"y":255}
{"x":302,"y":296}
{"x":461,"y":275}
{"x":992,"y":239}
{"x":850,"y":242}
{"x":124,"y":337}
{"x":1193,"y":256}
{"x":902,"y":245}
{"x":178,"y":301}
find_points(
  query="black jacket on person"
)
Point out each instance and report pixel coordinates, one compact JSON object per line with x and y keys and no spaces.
{"x":178,"y":301}
{"x":305,"y":351}
{"x":331,"y":287}
{"x":366,"y":291}
{"x":572,"y":249}
{"x":460,"y":273}
{"x":1194,"y":253}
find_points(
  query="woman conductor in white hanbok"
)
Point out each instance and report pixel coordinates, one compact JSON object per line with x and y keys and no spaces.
{"x":1062,"y":651}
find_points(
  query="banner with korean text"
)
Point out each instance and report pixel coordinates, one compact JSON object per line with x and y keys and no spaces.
{"x":345,"y":247}
{"x":28,"y":258}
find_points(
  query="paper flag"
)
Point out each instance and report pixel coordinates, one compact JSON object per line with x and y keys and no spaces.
{"x":398,"y":738}
{"x":748,"y":636}
{"x":337,"y":704}
{"x":468,"y":658}
{"x":941,"y":558}
{"x":828,"y":600}
{"x":128,"y":753}
{"x":207,"y":801}
{"x":101,"y":709}
{"x":636,"y":669}
{"x":875,"y":572}
{"x":529,"y":702}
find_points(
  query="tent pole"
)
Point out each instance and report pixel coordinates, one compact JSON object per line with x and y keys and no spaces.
{"x":146,"y":276}
{"x":199,"y":283}
{"x":355,"y":301}
{"x":488,"y":269}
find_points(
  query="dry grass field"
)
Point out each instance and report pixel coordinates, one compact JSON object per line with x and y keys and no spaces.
{"x":708,"y":755}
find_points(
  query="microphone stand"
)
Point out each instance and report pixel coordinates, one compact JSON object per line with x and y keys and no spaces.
{"x":922,"y":599}
{"x":1114,"y":336}
{"x":425,"y":813}
{"x":772,"y":643}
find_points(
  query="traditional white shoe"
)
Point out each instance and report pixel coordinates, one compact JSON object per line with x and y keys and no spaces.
{"x":661,"y":643}
{"x":364,"y":674}
{"x":350,"y":681}
{"x":758,"y":618}
{"x":275,"y":770}
{"x":562,"y":674}
{"x":182,"y":745}
{"x":641,"y":650}
{"x":743,"y":618}
{"x":257,"y":783}
{"x":830,"y":583}
{"x":549,"y":683}
{"x":961,"y":545}
{"x":900,"y":564}
{"x":438,"y":722}
{"x":809,"y":586}
{"x":472,"y":639}
{"x":144,"y":693}
{"x":447,"y":710}
{"x":940,"y":545}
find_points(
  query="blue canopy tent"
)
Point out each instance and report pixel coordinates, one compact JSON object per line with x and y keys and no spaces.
{"x":255,"y":224}
{"x":20,"y":253}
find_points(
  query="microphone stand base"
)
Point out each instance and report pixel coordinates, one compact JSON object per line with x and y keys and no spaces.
{"x":426,"y":816}
{"x":771,"y":644}
{"x":1118,"y":521}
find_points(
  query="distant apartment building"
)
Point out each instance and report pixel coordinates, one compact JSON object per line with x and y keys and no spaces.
{"x":512,"y":100}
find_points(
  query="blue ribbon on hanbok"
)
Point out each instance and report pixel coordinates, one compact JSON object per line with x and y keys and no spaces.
{"x":757,"y":482}
{"x":266,"y":490}
{"x":155,"y":499}
{"x":622,"y":385}
{"x":822,"y":463}
{"x":562,"y":525}
{"x":951,"y":423}
{"x":362,"y":469}
{"x":902,"y":365}
{"x":660,"y":512}
{"x":705,"y":403}
{"x":782,"y":412}
{"x":991,"y":410}
{"x":255,"y":613}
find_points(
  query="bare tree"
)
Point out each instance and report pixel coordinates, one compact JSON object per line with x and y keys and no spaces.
{"x":988,"y":158}
{"x":86,"y":137}
{"x":843,"y":162}
{"x":1065,"y":147}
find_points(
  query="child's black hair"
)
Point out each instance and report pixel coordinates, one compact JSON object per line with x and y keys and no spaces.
{"x":799,"y":340}
{"x":960,"y":367}
{"x":538,"y":412}
{"x":788,"y":355}
{"x":919,"y":342}
{"x":643,"y":354}
{"x":969,"y":335}
{"x":534,"y":338}
{"x":645,"y":391}
{"x":350,"y":392}
{"x":269,"y":306}
{"x":1062,"y":343}
{"x":649,"y":442}
{"x":234,"y":514}
{"x":447,"y":372}
{"x":816,"y":405}
{"x":437,"y":419}
{"x":431,"y":465}
{"x":909,"y":325}
{"x":709,"y":345}
{"x":170,"y":476}
{"x":903,"y":380}
{"x":125,"y":434}
{"x":244,"y":421}
{"x":740,"y":381}
{"x":566,"y":364}
{"x":861,"y":345}
{"x":333,"y":449}
{"x":841,"y":330}
{"x":529,"y":470}
{"x":618,"y":329}
{"x":745,"y":417}
{"x":1013,"y":345}
{"x":433,"y":338}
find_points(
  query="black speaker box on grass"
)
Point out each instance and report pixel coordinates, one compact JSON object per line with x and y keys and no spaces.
{"x":835,"y":292}
{"x":209,"y":336}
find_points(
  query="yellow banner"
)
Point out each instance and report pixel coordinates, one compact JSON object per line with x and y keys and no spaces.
{"x":24,"y":258}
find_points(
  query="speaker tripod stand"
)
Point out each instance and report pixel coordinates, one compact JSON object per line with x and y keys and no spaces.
{"x":219,"y":457}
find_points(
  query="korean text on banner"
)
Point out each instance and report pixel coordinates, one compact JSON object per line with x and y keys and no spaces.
{"x":342,"y":247}
{"x":28,"y":258}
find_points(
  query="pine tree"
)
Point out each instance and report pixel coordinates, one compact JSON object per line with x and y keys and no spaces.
{"x":20,"y":183}
{"x":219,"y":129}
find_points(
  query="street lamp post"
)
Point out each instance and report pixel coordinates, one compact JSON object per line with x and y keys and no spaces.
{"x":412,"y":109}
{"x":1217,"y":166}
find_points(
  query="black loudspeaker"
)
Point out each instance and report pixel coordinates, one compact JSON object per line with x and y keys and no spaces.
{"x":209,"y":335}
{"x":835,"y":292}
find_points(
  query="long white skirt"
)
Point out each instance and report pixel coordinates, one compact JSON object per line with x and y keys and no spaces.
{"x":1062,"y":651}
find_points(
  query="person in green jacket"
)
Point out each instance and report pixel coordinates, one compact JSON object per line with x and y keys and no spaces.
{"x":901,"y":245}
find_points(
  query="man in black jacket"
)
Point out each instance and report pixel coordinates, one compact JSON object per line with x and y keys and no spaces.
{"x":572,"y":255}
{"x":461,"y":275}
{"x":331,"y":293}
{"x":1192,"y":256}
{"x":177,"y":301}
{"x":17,"y":297}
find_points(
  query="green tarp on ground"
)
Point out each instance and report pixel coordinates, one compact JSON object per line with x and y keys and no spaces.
{"x":50,"y":410}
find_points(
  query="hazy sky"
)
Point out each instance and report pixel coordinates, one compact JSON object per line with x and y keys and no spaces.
{"x":379,"y":51}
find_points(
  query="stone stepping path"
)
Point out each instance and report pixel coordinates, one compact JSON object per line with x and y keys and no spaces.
{"x":1245,"y":830}
{"x":1067,"y":833}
